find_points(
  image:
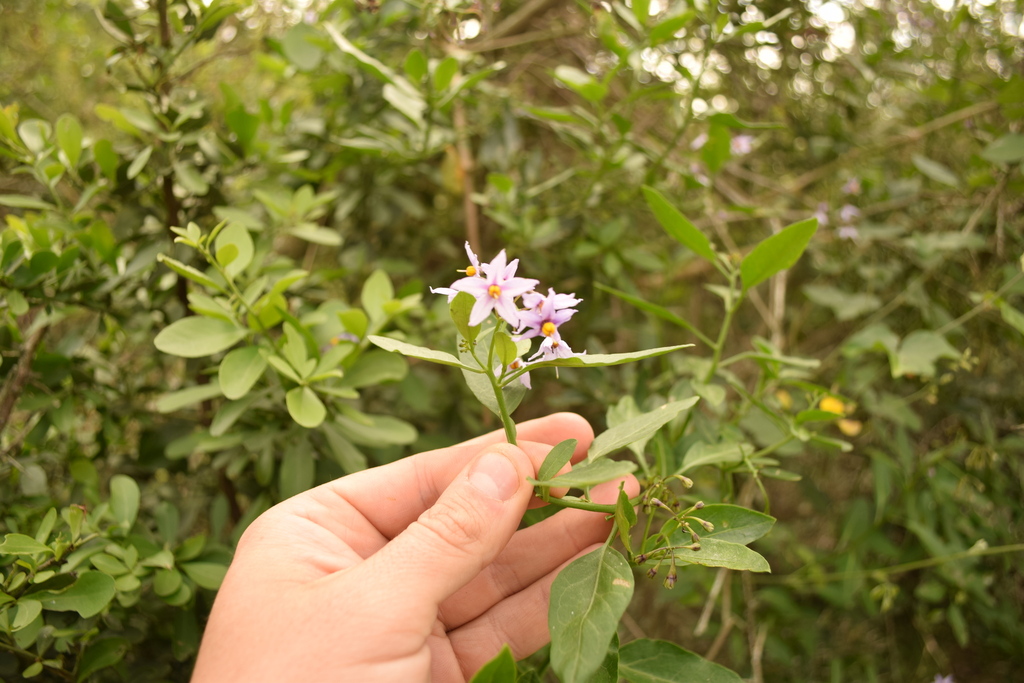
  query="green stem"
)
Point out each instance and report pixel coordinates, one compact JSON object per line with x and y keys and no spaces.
{"x":802,"y":578}
{"x":983,"y":306}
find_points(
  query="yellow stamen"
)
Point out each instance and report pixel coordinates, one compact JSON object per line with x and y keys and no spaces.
{"x":548,"y":329}
{"x":471,"y":271}
{"x":494,"y":291}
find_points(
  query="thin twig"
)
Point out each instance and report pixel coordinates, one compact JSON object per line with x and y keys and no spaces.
{"x":467,"y":166}
{"x":20,"y":374}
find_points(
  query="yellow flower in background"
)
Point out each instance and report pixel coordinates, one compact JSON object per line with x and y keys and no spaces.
{"x":832,"y":404}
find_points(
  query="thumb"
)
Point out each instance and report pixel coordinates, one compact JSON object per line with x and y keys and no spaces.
{"x":461,"y":534}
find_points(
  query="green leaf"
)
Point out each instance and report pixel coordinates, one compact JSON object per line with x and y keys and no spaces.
{"x":501,"y":669}
{"x":777,"y":253}
{"x":1005,"y":150}
{"x":659,"y":661}
{"x":235,"y":235}
{"x":20,"y":201}
{"x":88,"y":596}
{"x":124,"y":500}
{"x":175,"y":400}
{"x":190,"y":273}
{"x":677,"y":225}
{"x":459,"y":309}
{"x":206,"y":574}
{"x":702,"y":453}
{"x":317,"y":234}
{"x":376,"y":430}
{"x":240,"y":370}
{"x":590,"y":474}
{"x":504,"y":348}
{"x":375,"y":367}
{"x":415,"y":64}
{"x":69,"y":138}
{"x":421,"y":352}
{"x":940,"y":173}
{"x":641,"y":10}
{"x":35,"y":133}
{"x":305,"y":407}
{"x":648,"y":307}
{"x":101,"y":654}
{"x":625,"y":518}
{"x":445,"y":72}
{"x":734,"y":523}
{"x":815,"y":415}
{"x":166,"y":582}
{"x":597,"y":360}
{"x":1012,"y":317}
{"x":139,"y":162}
{"x":377,"y":291}
{"x":20,"y":544}
{"x":189,"y":177}
{"x":919,"y":352}
{"x":27,"y":612}
{"x":556,"y":458}
{"x":667,"y":29}
{"x":587,"y":600}
{"x":638,"y":428}
{"x":299,"y":48}
{"x":195,"y":337}
{"x":229,"y":414}
{"x":845,"y":305}
{"x":718,"y":553}
{"x":582,"y":83}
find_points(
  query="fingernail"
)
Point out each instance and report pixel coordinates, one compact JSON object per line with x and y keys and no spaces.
{"x":494,"y":476}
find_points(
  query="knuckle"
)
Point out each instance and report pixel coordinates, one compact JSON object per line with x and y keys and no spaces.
{"x":453,"y":524}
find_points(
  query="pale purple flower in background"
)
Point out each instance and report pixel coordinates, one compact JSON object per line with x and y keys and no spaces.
{"x":496,"y":290}
{"x":849,"y":213}
{"x":822,"y":214}
{"x":848,"y":232}
{"x":742,"y":144}
{"x":545,"y":313}
{"x":697,"y":171}
{"x":943,"y":679}
{"x":699,"y":141}
{"x":852,"y":186}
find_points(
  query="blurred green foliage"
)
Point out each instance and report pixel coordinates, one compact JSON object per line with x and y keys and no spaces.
{"x":346,"y":151}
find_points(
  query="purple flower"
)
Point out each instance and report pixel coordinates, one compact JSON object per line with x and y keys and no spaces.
{"x":472,"y":270}
{"x":496,"y":290}
{"x":943,"y":679}
{"x":553,"y":348}
{"x":849,"y":213}
{"x":516,"y":365}
{"x":852,"y":186}
{"x":822,"y":214}
{"x":848,"y":232}
{"x":699,"y":141}
{"x":741,"y":144}
{"x":545,"y":313}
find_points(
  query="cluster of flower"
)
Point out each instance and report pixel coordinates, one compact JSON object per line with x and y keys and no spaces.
{"x":495,"y":287}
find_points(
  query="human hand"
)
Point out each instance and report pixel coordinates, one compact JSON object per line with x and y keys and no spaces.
{"x":412,"y":571}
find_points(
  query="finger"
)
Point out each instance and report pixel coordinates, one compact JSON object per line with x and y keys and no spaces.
{"x":453,"y":540}
{"x":520,"y":621}
{"x":533,"y":553}
{"x":393,"y":496}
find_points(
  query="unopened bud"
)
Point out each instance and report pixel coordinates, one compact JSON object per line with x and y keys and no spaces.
{"x":695,"y":547}
{"x":641,"y":558}
{"x":686,"y":481}
{"x":708,"y":526}
{"x":670,"y":580}
{"x":652,"y":572}
{"x":699,"y":505}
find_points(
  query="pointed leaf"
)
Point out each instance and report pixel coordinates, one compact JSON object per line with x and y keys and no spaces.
{"x":597,"y":360}
{"x":717,"y":553}
{"x":556,"y":459}
{"x":20,"y":544}
{"x":641,"y":427}
{"x":659,"y":661}
{"x":590,"y":474}
{"x":777,"y":253}
{"x":587,"y":600}
{"x":677,"y":225}
{"x":88,"y":596}
{"x":421,"y":352}
{"x":175,"y":400}
{"x":734,"y":523}
{"x":501,"y":669}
